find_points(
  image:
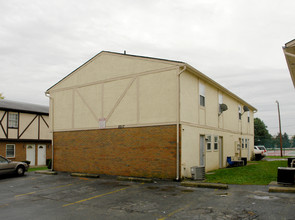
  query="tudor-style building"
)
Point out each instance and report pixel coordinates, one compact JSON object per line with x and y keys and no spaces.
{"x":24,"y":132}
{"x":120,"y":114}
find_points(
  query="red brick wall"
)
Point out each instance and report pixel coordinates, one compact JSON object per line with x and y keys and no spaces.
{"x":141,"y":152}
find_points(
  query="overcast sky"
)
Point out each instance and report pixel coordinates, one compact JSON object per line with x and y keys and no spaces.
{"x":237,"y":43}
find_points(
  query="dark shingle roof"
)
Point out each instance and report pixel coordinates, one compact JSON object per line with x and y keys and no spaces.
{"x":23,"y":107}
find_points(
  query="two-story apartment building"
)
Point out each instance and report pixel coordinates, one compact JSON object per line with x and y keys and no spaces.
{"x":24,"y":132}
{"x":121,"y":114}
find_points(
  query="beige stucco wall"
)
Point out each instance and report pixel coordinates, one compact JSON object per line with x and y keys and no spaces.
{"x":133,"y":91}
{"x":122,"y":90}
{"x":28,"y":127}
{"x":197,"y":120}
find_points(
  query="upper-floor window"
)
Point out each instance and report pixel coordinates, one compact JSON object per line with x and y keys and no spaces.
{"x":249,"y":116}
{"x":202,"y":94}
{"x":220,"y":101}
{"x":240,"y":112}
{"x":13,"y":120}
{"x":246,"y":143}
{"x":243,"y":143}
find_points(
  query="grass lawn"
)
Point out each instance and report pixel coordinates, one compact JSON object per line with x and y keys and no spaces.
{"x":277,"y":157}
{"x":37,"y":168}
{"x":255,"y":173}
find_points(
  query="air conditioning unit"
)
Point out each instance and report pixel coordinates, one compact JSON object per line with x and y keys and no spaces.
{"x":198,"y":173}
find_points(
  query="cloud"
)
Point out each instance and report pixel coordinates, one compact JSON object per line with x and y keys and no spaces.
{"x":236,"y":43}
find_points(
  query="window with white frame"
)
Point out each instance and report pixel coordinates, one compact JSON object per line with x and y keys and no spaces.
{"x":13,"y":120}
{"x":208,"y":142}
{"x":220,"y":101}
{"x":215,"y":142}
{"x":248,"y":116}
{"x":246,"y":143}
{"x":202,"y":94}
{"x":10,"y":150}
{"x":240,"y":112}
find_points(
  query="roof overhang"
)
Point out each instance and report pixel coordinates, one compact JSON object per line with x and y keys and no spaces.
{"x":289,"y":51}
{"x":220,"y":87}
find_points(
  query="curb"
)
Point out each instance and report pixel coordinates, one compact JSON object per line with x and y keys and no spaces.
{"x":281,"y":189}
{"x":274,"y":186}
{"x":47,"y":172}
{"x":134,"y":179}
{"x":85,"y":175}
{"x":205,"y":185}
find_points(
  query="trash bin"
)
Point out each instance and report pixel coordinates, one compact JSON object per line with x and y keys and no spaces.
{"x":244,"y":159}
{"x":286,"y":175}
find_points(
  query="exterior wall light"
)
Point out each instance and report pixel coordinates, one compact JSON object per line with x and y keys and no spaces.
{"x":222,"y":108}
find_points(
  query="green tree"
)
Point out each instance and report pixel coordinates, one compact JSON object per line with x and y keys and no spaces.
{"x":293,"y":141}
{"x":285,"y":140}
{"x":1,"y":96}
{"x":261,"y":134}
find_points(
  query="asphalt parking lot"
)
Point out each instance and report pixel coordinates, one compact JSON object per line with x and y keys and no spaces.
{"x":39,"y":196}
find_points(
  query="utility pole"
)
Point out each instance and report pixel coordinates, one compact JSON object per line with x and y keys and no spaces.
{"x":281,"y":141}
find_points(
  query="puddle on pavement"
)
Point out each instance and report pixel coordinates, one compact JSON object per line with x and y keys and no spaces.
{"x":114,"y":184}
{"x":152,"y":187}
{"x":187,"y":190}
{"x":124,"y":185}
{"x":168,"y":189}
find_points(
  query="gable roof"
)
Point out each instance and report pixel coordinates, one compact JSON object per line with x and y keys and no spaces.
{"x":23,"y":107}
{"x":289,"y":51}
{"x":123,"y":54}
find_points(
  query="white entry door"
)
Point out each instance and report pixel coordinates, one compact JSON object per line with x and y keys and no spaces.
{"x":31,"y":154}
{"x":41,"y":154}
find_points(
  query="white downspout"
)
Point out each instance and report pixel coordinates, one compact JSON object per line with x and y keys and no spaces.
{"x":52,"y":123}
{"x":178,"y":122}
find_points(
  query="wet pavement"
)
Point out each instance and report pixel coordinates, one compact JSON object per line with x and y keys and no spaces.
{"x":39,"y":196}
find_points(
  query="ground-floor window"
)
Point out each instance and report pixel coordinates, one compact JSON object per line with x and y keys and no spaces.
{"x":208,"y":139}
{"x":246,"y":143}
{"x":10,"y":150}
{"x":215,"y":142}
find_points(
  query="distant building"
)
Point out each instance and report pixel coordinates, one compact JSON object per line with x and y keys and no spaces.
{"x":24,"y":132}
{"x":289,"y":51}
{"x":121,"y":114}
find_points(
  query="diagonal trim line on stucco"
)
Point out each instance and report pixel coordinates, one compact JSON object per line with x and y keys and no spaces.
{"x":86,"y":104}
{"x":6,"y":135}
{"x":44,"y":121}
{"x":28,"y":126}
{"x":116,"y":78}
{"x":120,"y":98}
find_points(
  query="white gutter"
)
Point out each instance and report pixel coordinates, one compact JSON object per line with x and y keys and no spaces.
{"x":178,"y":122}
{"x":50,"y":98}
